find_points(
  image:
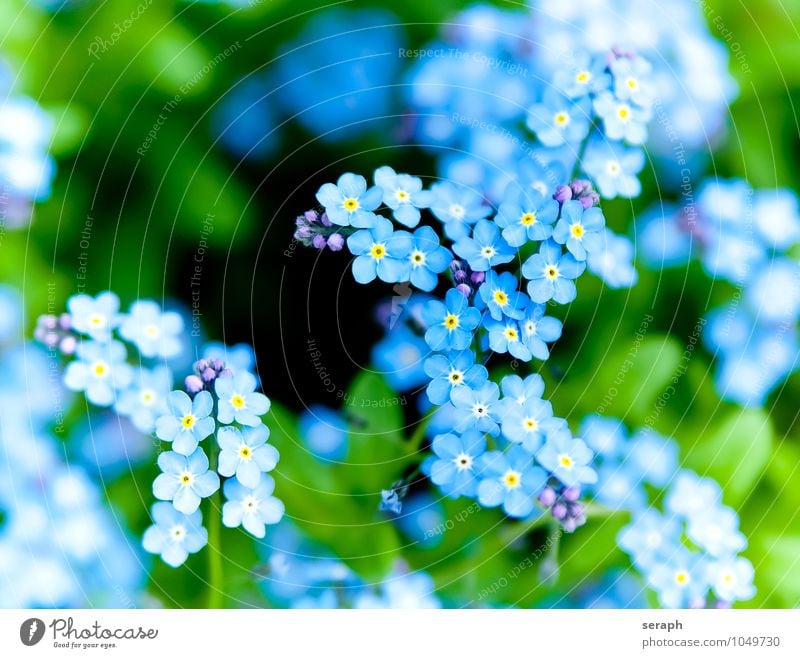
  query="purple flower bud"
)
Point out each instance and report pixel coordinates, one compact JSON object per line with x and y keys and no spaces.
{"x":225,"y":372}
{"x":336,"y":242}
{"x":588,"y":200}
{"x":569,"y":524}
{"x":311,"y":216}
{"x":571,"y":494}
{"x":722,"y":605}
{"x":580,"y":186}
{"x":460,"y":276}
{"x":563,"y":193}
{"x":464,"y":289}
{"x":697,"y":604}
{"x":208,"y":375}
{"x":68,"y":345}
{"x":547,"y":497}
{"x":455,"y":265}
{"x":217,"y":364}
{"x":193,"y":384}
{"x":325,"y":221}
{"x":559,"y":511}
{"x":65,"y":322}
{"x":47,"y":322}
{"x":318,"y":241}
{"x":477,"y":278}
{"x":49,"y":339}
{"x":303,"y":233}
{"x":200,"y":365}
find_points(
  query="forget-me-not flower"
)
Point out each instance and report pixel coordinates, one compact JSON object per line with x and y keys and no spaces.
{"x":238,"y":399}
{"x":380,"y":252}
{"x":486,"y":248}
{"x":450,"y":324}
{"x":174,"y":535}
{"x":510,"y":479}
{"x":245,"y":454}
{"x":100,"y":371}
{"x":96,"y":317}
{"x":184,"y":480}
{"x":155,"y":333}
{"x":453,"y":470}
{"x":349,"y":202}
{"x":567,"y":458}
{"x":451,"y":370}
{"x":403,"y":194}
{"x":188,"y":421}
{"x":551,"y":274}
{"x":253,"y":509}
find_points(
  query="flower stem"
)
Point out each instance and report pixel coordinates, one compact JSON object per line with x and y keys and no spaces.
{"x":418,"y":436}
{"x":214,"y":548}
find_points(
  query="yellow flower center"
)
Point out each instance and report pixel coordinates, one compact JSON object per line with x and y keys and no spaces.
{"x":530,"y":424}
{"x":97,"y":320}
{"x":456,"y":377}
{"x":402,"y":196}
{"x":245,"y":452}
{"x":186,"y":478}
{"x":457,"y":211}
{"x":148,"y":397}
{"x":528,"y":218}
{"x":500,"y":298}
{"x":350,"y":204}
{"x":512,"y":479}
{"x":237,"y":401}
{"x":632,"y":83}
{"x":511,"y":334}
{"x":583,"y":77}
{"x":152,"y":331}
{"x":577,"y":230}
{"x":417,"y":258}
{"x":682,"y":577}
{"x":551,"y":272}
{"x":188,"y":421}
{"x":451,"y":321}
{"x":565,"y":461}
{"x":561,"y":119}
{"x":613,"y":168}
{"x":624,"y":112}
{"x":99,"y":369}
{"x":378,"y":251}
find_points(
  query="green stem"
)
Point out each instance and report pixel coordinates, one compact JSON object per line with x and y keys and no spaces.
{"x":418,"y":437}
{"x":214,"y":548}
{"x":577,"y":166}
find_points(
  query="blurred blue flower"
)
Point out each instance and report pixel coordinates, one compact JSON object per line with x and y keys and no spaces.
{"x":612,"y":261}
{"x":146,"y":397}
{"x":557,"y":120}
{"x":244,"y":119}
{"x":155,"y":333}
{"x":399,"y":357}
{"x":586,"y":74}
{"x":614,"y":168}
{"x":633,"y":80}
{"x":653,"y":457}
{"x":732,"y":579}
{"x":324,"y":431}
{"x":455,"y":466}
{"x":716,"y":531}
{"x":457,"y":207}
{"x":621,"y":120}
{"x":100,"y":371}
{"x":96,"y":317}
{"x":680,"y":582}
{"x":650,"y":538}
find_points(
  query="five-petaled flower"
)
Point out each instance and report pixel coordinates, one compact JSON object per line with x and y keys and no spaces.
{"x":174,"y":535}
{"x":188,"y":422}
{"x":252,"y":509}
{"x":185,"y":480}
{"x":238,"y":400}
{"x":349,"y":202}
{"x":245,"y":454}
{"x":450,"y":324}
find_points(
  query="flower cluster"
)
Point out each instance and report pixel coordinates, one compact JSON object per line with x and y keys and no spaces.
{"x":222,"y":402}
{"x":689,"y":553}
{"x":60,"y":545}
{"x":560,"y":67}
{"x":744,"y":237}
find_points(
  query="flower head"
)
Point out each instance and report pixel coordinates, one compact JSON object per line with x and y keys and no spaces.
{"x":486,"y":248}
{"x":403,"y":194}
{"x":154,"y":333}
{"x":245,"y":454}
{"x":100,"y":371}
{"x":457,"y":207}
{"x":526,"y":214}
{"x":499,"y":293}
{"x":184,"y":480}
{"x":188,"y":421}
{"x":96,"y":317}
{"x":349,"y":202}
{"x":425,"y":260}
{"x":580,"y":230}
{"x":450,"y":371}
{"x":253,"y":509}
{"x":146,"y":398}
{"x":477,"y":408}
{"x":621,"y":119}
{"x":510,"y":479}
{"x":174,"y":535}
{"x":450,"y":324}
{"x":506,"y":336}
{"x":380,"y":251}
{"x":527,"y":423}
{"x":567,"y":458}
{"x":551,"y":274}
{"x":238,"y":400}
{"x":456,"y":461}
{"x":613,"y":168}
{"x":558,"y":120}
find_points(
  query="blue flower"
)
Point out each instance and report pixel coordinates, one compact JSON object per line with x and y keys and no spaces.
{"x":632,"y":80}
{"x":580,"y":230}
{"x":95,"y":317}
{"x":510,"y":479}
{"x":679,"y":581}
{"x":238,"y":400}
{"x":528,"y":422}
{"x":776,"y":217}
{"x":526,"y":214}
{"x":450,"y":371}
{"x":380,"y":251}
{"x":486,"y":248}
{"x":614,"y":168}
{"x":732,"y":579}
{"x":403,"y":194}
{"x":457,"y":207}
{"x":499,"y":292}
{"x":585,"y":75}
{"x":245,"y":454}
{"x":650,"y":538}
{"x":457,"y":458}
{"x":174,"y":535}
{"x":390,"y":501}
{"x":399,"y":358}
{"x":154,"y":333}
{"x":253,"y":509}
{"x":613,"y":261}
{"x":621,"y":120}
{"x":539,"y":173}
{"x":146,"y":399}
{"x":324,"y":431}
{"x":619,"y":486}
{"x":653,"y":456}
{"x":450,"y":325}
{"x":349,"y":202}
{"x":477,"y":408}
{"x":188,"y":422}
{"x":689,"y":494}
{"x":551,"y":274}
{"x":716,"y":530}
{"x":184,"y":480}
{"x":538,"y":329}
{"x":100,"y":371}
{"x":516,"y":389}
{"x":557,"y":120}
{"x":425,"y":259}
{"x":235,"y":357}
{"x":567,"y":458}
{"x":504,"y":336}
{"x":606,"y":436}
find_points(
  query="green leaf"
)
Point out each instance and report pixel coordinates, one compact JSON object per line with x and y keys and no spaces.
{"x":735,"y":450}
{"x":778,"y":571}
